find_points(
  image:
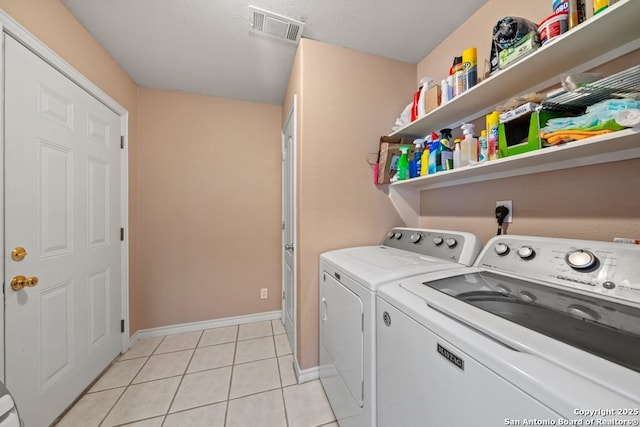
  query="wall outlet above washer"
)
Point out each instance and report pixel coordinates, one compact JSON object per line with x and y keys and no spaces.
{"x":509,"y":204}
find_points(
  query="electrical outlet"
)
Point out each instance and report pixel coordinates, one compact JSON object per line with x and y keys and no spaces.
{"x":509,"y":205}
{"x":263,"y":293}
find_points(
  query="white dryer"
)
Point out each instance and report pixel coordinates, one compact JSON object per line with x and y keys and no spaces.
{"x":349,"y":279}
{"x":540,"y":331}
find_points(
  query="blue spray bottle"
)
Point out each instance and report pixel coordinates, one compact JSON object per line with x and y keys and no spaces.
{"x":434,"y":150}
{"x":416,"y":163}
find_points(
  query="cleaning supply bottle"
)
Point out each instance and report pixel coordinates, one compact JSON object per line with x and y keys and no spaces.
{"x":426,"y":83}
{"x":483,"y":145}
{"x":493,"y":120}
{"x":469,"y":68}
{"x":445,"y":152}
{"x":457,"y":73}
{"x":469,"y":145}
{"x":424,"y":161}
{"x":416,"y":163}
{"x":434,"y":150}
{"x":456,"y":154}
{"x":403,"y":163}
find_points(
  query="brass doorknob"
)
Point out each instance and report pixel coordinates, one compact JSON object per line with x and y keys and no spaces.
{"x":20,"y":282}
{"x":18,"y":254}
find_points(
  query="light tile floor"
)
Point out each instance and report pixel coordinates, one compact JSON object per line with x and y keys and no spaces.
{"x":236,"y":376}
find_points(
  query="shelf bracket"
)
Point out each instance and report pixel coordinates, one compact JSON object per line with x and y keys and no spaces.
{"x":407,"y":204}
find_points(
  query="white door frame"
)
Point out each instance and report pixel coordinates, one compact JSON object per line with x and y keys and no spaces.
{"x":293,"y":221}
{"x":9,"y":26}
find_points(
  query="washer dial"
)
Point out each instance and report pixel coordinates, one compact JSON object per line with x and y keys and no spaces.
{"x":438,"y":241}
{"x":451,"y":242}
{"x":581,"y":259}
{"x":415,"y":237}
{"x":526,"y":252}
{"x":501,"y":249}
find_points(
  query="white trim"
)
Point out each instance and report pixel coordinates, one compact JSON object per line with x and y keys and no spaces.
{"x":11,"y":27}
{"x":306,"y":375}
{"x":206,"y":324}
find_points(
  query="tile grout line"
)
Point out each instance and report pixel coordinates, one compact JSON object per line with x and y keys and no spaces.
{"x":233,"y":364}
{"x":186,"y":368}
{"x":127,"y":386}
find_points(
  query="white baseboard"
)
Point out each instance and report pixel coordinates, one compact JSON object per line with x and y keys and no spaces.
{"x":306,"y":375}
{"x":207,"y":324}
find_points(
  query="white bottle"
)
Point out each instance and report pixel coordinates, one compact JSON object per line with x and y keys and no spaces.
{"x":456,"y":155}
{"x":469,"y":146}
{"x":426,"y":83}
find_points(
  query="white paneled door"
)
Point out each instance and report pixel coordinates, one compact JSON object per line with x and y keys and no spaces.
{"x":63,"y":207}
{"x":289,"y":226}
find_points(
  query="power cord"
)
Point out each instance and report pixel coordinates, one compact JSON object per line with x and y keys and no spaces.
{"x":501,"y":214}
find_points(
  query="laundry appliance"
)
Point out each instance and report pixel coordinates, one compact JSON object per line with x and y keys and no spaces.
{"x":349,"y":279}
{"x":540,"y":331}
{"x":8,"y":412}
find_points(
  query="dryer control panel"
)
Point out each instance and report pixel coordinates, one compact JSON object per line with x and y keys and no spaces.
{"x":460,"y":247}
{"x":607,"y":269}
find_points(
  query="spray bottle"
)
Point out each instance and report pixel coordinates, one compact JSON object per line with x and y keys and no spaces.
{"x":424,"y":161}
{"x":469,"y":145}
{"x":403,"y":163}
{"x":416,"y":163}
{"x":434,"y":150}
{"x":445,"y":156}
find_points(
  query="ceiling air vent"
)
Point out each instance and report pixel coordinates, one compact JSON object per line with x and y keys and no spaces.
{"x":274,"y":25}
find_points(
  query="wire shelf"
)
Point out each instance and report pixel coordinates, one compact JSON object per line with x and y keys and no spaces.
{"x":625,"y":84}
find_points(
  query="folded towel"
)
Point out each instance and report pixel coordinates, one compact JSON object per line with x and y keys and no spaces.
{"x":598,"y":116}
{"x":561,"y":136}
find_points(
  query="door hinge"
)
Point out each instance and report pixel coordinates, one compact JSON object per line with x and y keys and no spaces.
{"x":122,"y":234}
{"x":362,"y":322}
{"x":362,"y":390}
{"x":122,"y":142}
{"x":282,"y":294}
{"x":122,"y":326}
{"x":283,"y":225}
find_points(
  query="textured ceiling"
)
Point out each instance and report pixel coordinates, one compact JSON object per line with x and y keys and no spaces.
{"x":205,"y":46}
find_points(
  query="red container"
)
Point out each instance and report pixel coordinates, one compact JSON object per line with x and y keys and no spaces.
{"x":553,"y":26}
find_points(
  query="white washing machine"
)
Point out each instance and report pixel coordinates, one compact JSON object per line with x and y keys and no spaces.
{"x":349,"y":279}
{"x":540,"y":331}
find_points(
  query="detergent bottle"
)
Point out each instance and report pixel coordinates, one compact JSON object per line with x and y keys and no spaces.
{"x":416,"y":163}
{"x":483,"y":147}
{"x":468,"y":145}
{"x":424,"y":161}
{"x":493,"y":120}
{"x":403,"y":163}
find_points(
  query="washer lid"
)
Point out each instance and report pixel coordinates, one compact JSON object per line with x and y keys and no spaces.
{"x":600,"y":327}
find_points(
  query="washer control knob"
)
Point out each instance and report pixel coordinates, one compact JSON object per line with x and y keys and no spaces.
{"x":391,"y":234}
{"x":438,"y":241}
{"x":398,"y":235}
{"x":415,"y":237}
{"x":526,"y":252}
{"x":451,"y":242}
{"x":581,"y":259}
{"x":501,"y":249}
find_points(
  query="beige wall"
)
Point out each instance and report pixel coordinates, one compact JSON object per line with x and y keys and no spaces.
{"x":348,"y":100}
{"x":52,"y":23}
{"x":592,"y":202}
{"x":477,"y":32}
{"x":209,"y":194}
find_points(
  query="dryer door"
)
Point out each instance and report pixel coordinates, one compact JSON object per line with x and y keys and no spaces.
{"x":341,"y":344}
